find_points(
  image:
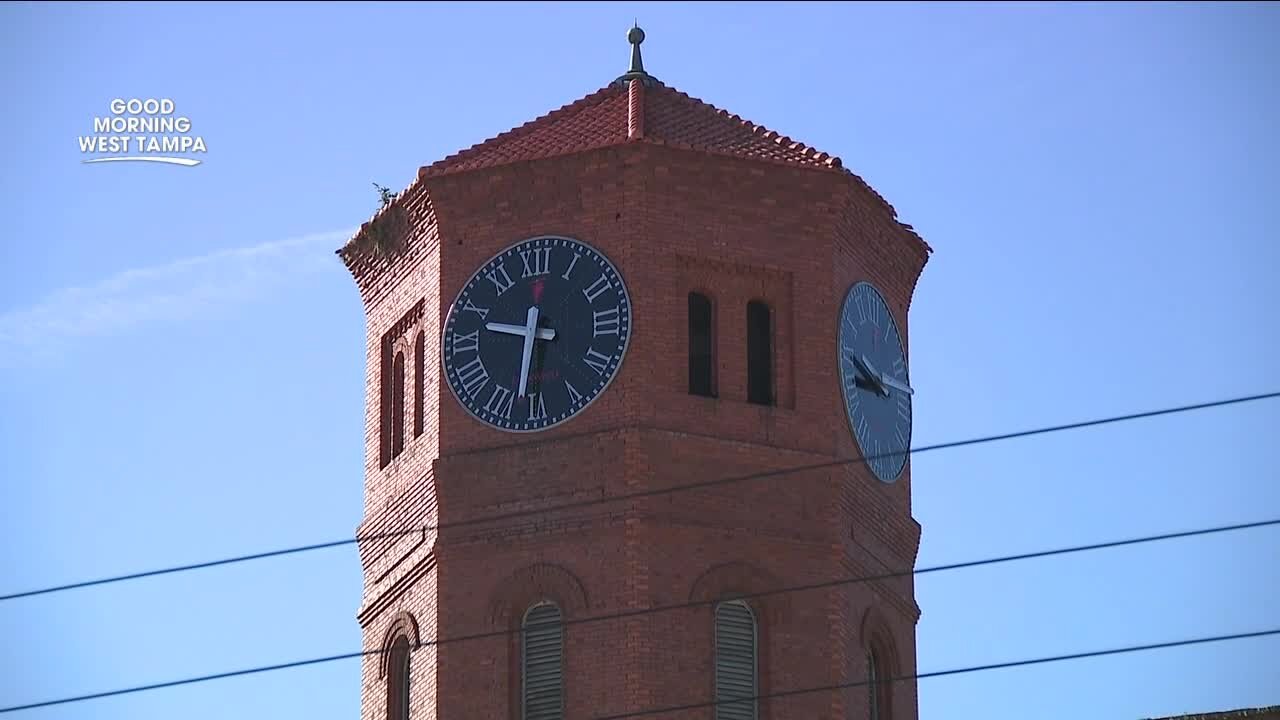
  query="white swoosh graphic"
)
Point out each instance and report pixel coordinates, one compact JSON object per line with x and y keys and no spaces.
{"x":170,"y":160}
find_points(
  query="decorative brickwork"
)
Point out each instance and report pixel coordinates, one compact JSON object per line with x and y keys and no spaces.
{"x":683,"y":198}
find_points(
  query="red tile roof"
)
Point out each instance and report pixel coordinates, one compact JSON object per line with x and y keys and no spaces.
{"x":635,"y":108}
{"x":602,"y":118}
{"x":1262,"y":713}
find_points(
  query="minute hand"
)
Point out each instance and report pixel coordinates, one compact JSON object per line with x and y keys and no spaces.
{"x":899,"y":386}
{"x":540,"y":333}
{"x":886,"y":380}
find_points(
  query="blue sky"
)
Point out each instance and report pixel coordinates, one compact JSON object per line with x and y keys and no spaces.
{"x":181,"y":354}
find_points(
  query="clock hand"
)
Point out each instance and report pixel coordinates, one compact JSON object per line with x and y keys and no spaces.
{"x":530,"y":329}
{"x":885,"y":380}
{"x":878,"y":376}
{"x":869,"y":373}
{"x":540,"y":333}
{"x":896,"y":384}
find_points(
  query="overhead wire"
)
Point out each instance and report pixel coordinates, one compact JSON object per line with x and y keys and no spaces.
{"x":1147,"y":539}
{"x":671,"y":709}
{"x":653,"y":492}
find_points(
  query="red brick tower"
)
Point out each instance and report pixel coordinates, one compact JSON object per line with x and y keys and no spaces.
{"x":634,"y":292}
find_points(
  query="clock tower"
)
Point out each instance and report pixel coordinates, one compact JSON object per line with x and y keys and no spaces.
{"x":565,"y":325}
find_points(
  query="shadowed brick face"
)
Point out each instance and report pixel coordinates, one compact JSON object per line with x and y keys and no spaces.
{"x":681,"y":197}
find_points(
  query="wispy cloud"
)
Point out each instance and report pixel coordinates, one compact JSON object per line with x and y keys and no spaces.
{"x":165,"y":292}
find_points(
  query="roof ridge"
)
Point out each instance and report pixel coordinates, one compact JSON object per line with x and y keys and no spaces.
{"x":804,"y":149}
{"x":567,"y":109}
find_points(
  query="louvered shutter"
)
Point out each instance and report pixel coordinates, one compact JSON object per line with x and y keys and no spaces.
{"x":543,"y":648}
{"x":735,"y":661}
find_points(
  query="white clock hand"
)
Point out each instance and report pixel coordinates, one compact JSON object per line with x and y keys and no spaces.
{"x":530,"y":329}
{"x":881,"y":378}
{"x":896,"y":385}
{"x":541,"y":333}
{"x":886,"y":380}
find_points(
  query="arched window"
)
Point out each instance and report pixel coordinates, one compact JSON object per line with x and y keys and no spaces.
{"x":384,"y":405}
{"x":759,"y":353}
{"x":879,"y":683}
{"x":542,"y":664}
{"x":701,"y":347}
{"x":419,"y":370}
{"x":398,"y":680}
{"x":735,"y":665}
{"x":397,"y":405}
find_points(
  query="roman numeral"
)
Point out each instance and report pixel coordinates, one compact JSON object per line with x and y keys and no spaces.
{"x":862,"y":426}
{"x":500,"y":402}
{"x":572,"y":262}
{"x":904,"y":408}
{"x":898,"y":365}
{"x":537,"y":408}
{"x":862,"y":310}
{"x":901,"y":435}
{"x":536,"y":261}
{"x":501,"y":284}
{"x":574,"y":396}
{"x":482,"y":312}
{"x":606,"y":322}
{"x":473,"y":376}
{"x":466,"y":343}
{"x":597,"y":288}
{"x":597,"y":361}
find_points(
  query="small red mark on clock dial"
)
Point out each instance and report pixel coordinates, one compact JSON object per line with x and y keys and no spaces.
{"x":536,"y":286}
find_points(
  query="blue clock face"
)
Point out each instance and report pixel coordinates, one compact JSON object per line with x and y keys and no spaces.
{"x":874,"y":382}
{"x":537,"y":334}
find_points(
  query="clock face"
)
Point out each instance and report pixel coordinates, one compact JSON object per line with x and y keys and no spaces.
{"x":536,"y":334}
{"x":873,"y":380}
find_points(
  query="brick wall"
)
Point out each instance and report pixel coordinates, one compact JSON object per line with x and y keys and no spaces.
{"x":672,"y":221}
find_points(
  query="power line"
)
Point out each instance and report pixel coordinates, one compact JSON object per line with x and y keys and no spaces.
{"x":632,"y":496}
{"x":957,"y":671}
{"x":667,"y":608}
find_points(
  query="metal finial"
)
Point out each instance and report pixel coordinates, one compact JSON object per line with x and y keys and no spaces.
{"x":635,"y":36}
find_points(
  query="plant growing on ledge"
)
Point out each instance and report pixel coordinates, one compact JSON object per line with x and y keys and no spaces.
{"x":386,"y":230}
{"x":385,"y":194}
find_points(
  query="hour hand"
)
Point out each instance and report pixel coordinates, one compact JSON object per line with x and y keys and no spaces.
{"x":540,"y":333}
{"x":870,"y":379}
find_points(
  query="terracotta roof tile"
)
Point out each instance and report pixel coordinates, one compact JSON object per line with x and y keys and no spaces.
{"x":597,"y":120}
{"x":601,"y":119}
{"x":1261,"y":713}
{"x":668,"y":117}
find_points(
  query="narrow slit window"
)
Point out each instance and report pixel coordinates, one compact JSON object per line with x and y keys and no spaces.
{"x":419,"y":372}
{"x":759,"y":353}
{"x":701,"y":342}
{"x":873,"y":687}
{"x":397,"y":405}
{"x":384,"y":406}
{"x":398,"y":680}
{"x":879,"y":685}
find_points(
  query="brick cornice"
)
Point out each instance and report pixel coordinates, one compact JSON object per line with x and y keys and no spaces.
{"x":376,"y":605}
{"x":392,"y":243}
